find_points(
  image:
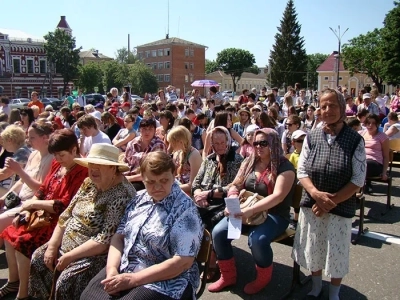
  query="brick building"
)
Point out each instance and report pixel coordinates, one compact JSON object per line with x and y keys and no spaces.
{"x":24,"y":67}
{"x":174,"y":61}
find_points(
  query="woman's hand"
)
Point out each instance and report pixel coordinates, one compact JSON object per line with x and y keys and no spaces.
{"x":318,"y":211}
{"x":12,"y":165}
{"x":201,"y":198}
{"x":324,"y":200}
{"x":118,"y":283}
{"x":384,"y":176}
{"x":64,"y":261}
{"x":22,"y":215}
{"x":50,"y":257}
{"x":244,"y":214}
{"x":28,"y":205}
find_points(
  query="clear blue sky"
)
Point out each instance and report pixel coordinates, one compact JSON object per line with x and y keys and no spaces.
{"x":218,"y":24}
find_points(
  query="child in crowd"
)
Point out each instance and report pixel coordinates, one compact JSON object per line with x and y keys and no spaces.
{"x":298,"y":137}
{"x":247,"y":147}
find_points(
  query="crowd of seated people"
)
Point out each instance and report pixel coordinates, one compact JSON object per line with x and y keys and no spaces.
{"x":97,"y":174}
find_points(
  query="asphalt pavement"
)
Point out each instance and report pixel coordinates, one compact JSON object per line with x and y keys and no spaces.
{"x":374,"y":261}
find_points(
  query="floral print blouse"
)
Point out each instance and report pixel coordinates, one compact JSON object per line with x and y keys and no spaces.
{"x":153,"y":233}
{"x":93,"y":214}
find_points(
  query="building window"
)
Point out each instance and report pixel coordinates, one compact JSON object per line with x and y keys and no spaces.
{"x":326,"y":78}
{"x":160,"y":52}
{"x":155,"y":66}
{"x":160,"y":77}
{"x":17,"y":65}
{"x":186,"y":65}
{"x":160,"y":65}
{"x":167,"y":64}
{"x":153,"y":53}
{"x":191,"y":52}
{"x":191,"y":66}
{"x":43,"y":66}
{"x":186,"y":78}
{"x":340,"y":78}
{"x":191,"y":77}
{"x":238,"y":86}
{"x":166,"y":52}
{"x":186,"y":52}
{"x":147,"y":53}
{"x":149,"y":66}
{"x":29,"y":63}
{"x":140,"y":55}
{"x":166,"y":78}
{"x":230,"y":86}
{"x":225,"y":86}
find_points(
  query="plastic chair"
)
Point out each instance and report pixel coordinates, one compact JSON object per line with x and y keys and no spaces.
{"x":203,"y":257}
{"x":394,"y":145}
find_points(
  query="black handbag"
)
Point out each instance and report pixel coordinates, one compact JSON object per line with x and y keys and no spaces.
{"x":12,"y":200}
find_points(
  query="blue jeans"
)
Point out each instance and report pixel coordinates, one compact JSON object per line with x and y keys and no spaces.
{"x":260,"y":238}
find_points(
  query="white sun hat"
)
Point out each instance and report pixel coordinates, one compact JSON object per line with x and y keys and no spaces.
{"x":102,"y":154}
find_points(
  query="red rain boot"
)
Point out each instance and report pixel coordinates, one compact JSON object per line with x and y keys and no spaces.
{"x":228,"y":275}
{"x":264,"y":276}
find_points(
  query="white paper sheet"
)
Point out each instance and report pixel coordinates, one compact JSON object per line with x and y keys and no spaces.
{"x":234,"y":224}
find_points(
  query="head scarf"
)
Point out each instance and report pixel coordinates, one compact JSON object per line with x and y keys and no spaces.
{"x":222,"y":159}
{"x":332,"y":128}
{"x":249,"y":163}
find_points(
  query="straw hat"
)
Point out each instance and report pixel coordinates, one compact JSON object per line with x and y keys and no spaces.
{"x":102,"y":154}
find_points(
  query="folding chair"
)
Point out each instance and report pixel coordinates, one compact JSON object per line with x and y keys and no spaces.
{"x":388,"y":182}
{"x":395,"y":146}
{"x":361,"y":200}
{"x":204,"y":258}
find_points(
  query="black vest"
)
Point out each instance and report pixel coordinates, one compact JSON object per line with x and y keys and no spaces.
{"x":330,"y":166}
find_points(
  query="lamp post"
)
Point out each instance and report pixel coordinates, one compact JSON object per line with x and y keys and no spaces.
{"x":339,"y":37}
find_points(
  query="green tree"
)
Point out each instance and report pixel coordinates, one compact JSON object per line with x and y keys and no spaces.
{"x":234,"y":62}
{"x":124,"y":56}
{"x":211,"y":66}
{"x":89,"y":77}
{"x":288,"y":59}
{"x":112,"y":75}
{"x":391,"y":45}
{"x":313,"y":62}
{"x":62,"y":53}
{"x":363,"y":54}
{"x":142,"y":79}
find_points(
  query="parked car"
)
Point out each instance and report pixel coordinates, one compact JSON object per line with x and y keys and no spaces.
{"x":19,"y":103}
{"x":54,"y":102}
{"x":94,"y":99}
{"x":228,"y":93}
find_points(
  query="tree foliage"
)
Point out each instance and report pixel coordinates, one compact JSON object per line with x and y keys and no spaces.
{"x":211,"y":66}
{"x":112,"y":75}
{"x":391,"y":45}
{"x":288,"y":59}
{"x":313,"y":62}
{"x":363,"y":54}
{"x":61,"y":52}
{"x":124,"y":56}
{"x":90,"y":76}
{"x":234,"y":62}
{"x":142,"y":79}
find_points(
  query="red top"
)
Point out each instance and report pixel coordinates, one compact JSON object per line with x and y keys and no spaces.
{"x":61,"y":190}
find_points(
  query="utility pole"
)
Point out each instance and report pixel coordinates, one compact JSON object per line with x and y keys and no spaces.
{"x":339,"y":37}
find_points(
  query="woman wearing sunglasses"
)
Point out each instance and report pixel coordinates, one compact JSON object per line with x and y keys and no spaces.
{"x":27,"y":118}
{"x":293,"y":123}
{"x":268,"y":173}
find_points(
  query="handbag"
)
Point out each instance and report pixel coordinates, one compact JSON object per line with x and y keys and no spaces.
{"x":38,"y":219}
{"x":12,"y":200}
{"x":248,"y":199}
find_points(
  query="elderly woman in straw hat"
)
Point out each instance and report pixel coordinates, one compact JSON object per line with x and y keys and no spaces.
{"x":77,"y":250}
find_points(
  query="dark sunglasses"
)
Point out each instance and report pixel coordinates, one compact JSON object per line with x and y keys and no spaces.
{"x":298,"y":141}
{"x":262,"y":144}
{"x":23,"y":114}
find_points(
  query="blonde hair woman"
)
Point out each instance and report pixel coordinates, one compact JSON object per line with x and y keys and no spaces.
{"x":187,"y":159}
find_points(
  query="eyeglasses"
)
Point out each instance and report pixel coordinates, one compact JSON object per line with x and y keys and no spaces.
{"x":299,"y":141}
{"x":262,"y":144}
{"x":23,"y":114}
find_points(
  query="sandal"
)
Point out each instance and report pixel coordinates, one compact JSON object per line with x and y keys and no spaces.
{"x":8,"y":288}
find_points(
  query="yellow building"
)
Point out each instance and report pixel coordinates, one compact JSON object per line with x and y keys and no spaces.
{"x":327,"y":77}
{"x":92,"y":56}
{"x":247,"y":81}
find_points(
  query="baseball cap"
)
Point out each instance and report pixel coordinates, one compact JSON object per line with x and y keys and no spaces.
{"x":366,"y":96}
{"x":115,"y":104}
{"x":99,"y":105}
{"x":125,"y":104}
{"x":297,"y":134}
{"x":96,"y":114}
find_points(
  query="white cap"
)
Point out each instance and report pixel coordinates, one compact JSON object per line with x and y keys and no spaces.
{"x":96,"y":114}
{"x":297,"y":134}
{"x":251,"y":128}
